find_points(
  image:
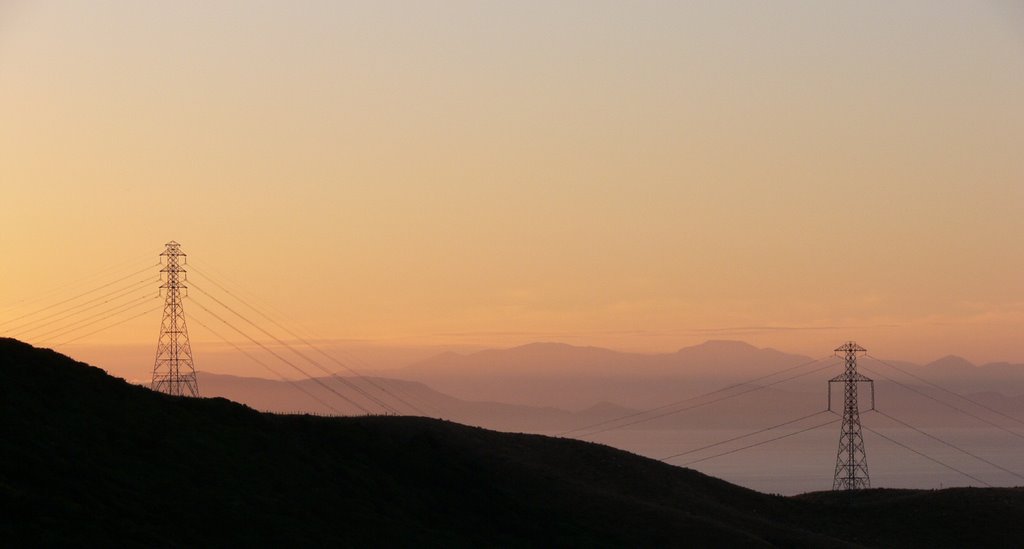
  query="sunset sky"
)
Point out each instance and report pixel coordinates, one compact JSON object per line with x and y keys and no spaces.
{"x":636,"y":175}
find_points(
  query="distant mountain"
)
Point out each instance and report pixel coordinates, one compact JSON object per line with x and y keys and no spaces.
{"x":735,"y":356}
{"x":557,"y":374}
{"x":961,"y":375}
{"x":560,"y":359}
{"x":326,"y":396}
{"x":743,"y":406}
{"x":566,"y":376}
{"x":530,"y":359}
{"x":295,"y":397}
{"x":323,"y":395}
{"x":92,"y":460}
{"x":950,"y":365}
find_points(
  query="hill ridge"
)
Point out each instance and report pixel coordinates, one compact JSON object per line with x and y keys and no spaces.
{"x":93,"y":459}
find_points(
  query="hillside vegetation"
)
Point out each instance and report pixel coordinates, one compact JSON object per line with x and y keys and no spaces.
{"x":91,"y":459}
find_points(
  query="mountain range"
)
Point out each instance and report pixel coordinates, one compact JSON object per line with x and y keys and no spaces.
{"x":556,"y":374}
{"x":92,"y":460}
{"x":548,"y":387}
{"x":321,"y":396}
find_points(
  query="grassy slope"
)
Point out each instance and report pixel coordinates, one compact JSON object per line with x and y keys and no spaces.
{"x":89,"y":457}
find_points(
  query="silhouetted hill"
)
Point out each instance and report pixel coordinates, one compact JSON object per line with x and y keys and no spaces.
{"x":953,"y":517}
{"x":737,"y":355}
{"x":407,"y":397}
{"x":753,"y":410}
{"x":948,"y":365}
{"x":88,"y":459}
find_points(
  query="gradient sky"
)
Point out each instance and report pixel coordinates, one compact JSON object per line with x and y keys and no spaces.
{"x":637,"y":175}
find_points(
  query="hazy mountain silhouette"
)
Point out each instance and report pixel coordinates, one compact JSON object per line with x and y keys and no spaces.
{"x":950,"y":364}
{"x":89,"y":459}
{"x":756,"y":406}
{"x":735,"y":357}
{"x":532,"y":359}
{"x":557,"y":374}
{"x":283,"y":397}
{"x":554,"y":359}
{"x":410,"y":398}
{"x":558,"y":378}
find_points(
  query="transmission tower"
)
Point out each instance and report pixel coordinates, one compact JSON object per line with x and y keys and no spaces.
{"x":173,"y":371}
{"x":851,"y":459}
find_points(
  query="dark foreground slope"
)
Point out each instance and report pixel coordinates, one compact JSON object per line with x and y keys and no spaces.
{"x":89,"y":458}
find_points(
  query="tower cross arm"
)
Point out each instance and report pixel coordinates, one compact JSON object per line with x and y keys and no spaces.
{"x":850,"y":376}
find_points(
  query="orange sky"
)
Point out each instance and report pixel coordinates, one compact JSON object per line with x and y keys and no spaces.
{"x":638,"y":175}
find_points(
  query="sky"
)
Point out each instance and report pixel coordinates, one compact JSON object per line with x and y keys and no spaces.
{"x":637,"y":175}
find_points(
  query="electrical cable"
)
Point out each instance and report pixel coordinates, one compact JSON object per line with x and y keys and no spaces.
{"x":118,"y":323}
{"x":79,"y":281}
{"x":944,"y":403}
{"x":702,"y":404}
{"x":308,"y":343}
{"x":951,"y":445}
{"x":759,"y":431}
{"x":690,"y":399}
{"x":93,"y":319}
{"x":733,"y":451}
{"x":72,"y":315}
{"x":939,"y":387}
{"x":280,"y":341}
{"x":79,"y":296}
{"x":929,"y":458}
{"x":292,"y":382}
{"x":318,"y":381}
{"x":80,"y":307}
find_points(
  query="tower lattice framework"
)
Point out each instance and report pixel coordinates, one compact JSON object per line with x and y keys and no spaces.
{"x":174,"y":371}
{"x":851,"y":459}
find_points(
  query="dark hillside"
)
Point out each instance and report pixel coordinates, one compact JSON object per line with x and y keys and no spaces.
{"x":90,"y":459}
{"x":953,"y":517}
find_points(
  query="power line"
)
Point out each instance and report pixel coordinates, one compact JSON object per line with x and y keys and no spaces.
{"x":85,"y":319}
{"x":929,"y":458}
{"x":410,"y":395}
{"x":81,"y":307}
{"x":690,"y":399}
{"x":118,"y":323}
{"x":939,"y":387}
{"x":97,"y":317}
{"x":733,"y":451}
{"x":110,"y":313}
{"x":948,"y":405}
{"x":344,"y":381}
{"x":702,"y":404}
{"x":733,"y":439}
{"x":80,"y":281}
{"x":951,"y":445}
{"x":282,"y":359}
{"x":293,"y":383}
{"x":79,"y":296}
{"x":306,"y":342}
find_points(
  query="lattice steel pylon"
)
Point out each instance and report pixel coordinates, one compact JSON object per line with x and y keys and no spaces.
{"x":174,"y":371}
{"x":851,"y":459}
